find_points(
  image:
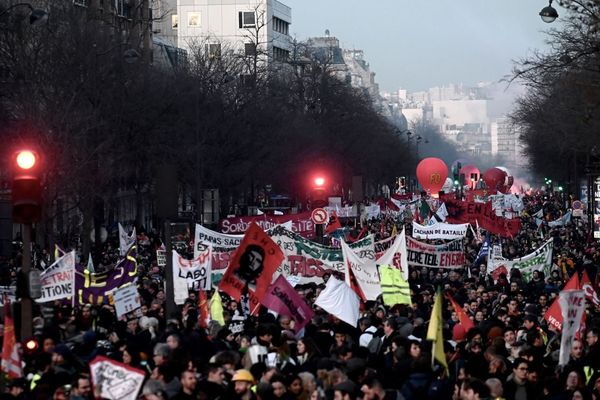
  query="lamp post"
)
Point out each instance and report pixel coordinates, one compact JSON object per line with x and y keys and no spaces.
{"x":549,"y":13}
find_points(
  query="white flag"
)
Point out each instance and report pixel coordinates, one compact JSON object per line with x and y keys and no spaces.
{"x":340,"y":300}
{"x":364,"y":270}
{"x":572,"y":306}
{"x":125,"y":241}
{"x":90,"y":264}
{"x":442,"y":212}
{"x":396,"y":256}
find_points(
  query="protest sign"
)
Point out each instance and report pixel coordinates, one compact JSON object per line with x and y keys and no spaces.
{"x":395,"y":255}
{"x":472,"y":212}
{"x":364,"y":271}
{"x":125,"y":240}
{"x":283,"y":299}
{"x":196,"y":272}
{"x":450,"y":255}
{"x":572,"y":305}
{"x":439,"y":231}
{"x":92,"y":287}
{"x":310,"y":261}
{"x":127,"y":299}
{"x":114,"y":380}
{"x":301,"y":223}
{"x":539,"y":260}
{"x":57,"y":281}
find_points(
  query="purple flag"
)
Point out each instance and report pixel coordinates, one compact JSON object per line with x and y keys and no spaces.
{"x":92,"y":287}
{"x":282,"y":298}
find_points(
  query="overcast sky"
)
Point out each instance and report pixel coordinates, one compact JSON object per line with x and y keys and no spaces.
{"x":417,"y":44}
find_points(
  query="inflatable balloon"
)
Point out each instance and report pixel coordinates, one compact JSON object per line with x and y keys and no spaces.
{"x":494,"y":179}
{"x":432,"y":173}
{"x":471,"y":174}
{"x":508,"y":181}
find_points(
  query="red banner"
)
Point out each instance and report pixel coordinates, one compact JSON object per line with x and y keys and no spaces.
{"x":301,"y":223}
{"x":460,"y":212}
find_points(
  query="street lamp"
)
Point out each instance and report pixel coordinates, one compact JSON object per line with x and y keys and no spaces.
{"x":36,"y":15}
{"x":549,"y":13}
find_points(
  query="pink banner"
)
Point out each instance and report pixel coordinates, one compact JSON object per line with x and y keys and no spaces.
{"x":301,"y":223}
{"x":282,"y":298}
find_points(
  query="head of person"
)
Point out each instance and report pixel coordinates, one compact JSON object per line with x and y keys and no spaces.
{"x":345,"y":390}
{"x":243,"y":381}
{"x":173,"y":341}
{"x":278,"y":385}
{"x":496,"y":388}
{"x":591,"y":337}
{"x":520,"y":368}
{"x":188,"y":381}
{"x":574,"y":380}
{"x":372,"y":389}
{"x":390,"y":326}
{"x":576,"y":350}
{"x":215,"y":373}
{"x":161,"y":353}
{"x":474,"y":389}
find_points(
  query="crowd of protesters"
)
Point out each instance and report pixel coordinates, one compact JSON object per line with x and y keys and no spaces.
{"x":511,"y":353}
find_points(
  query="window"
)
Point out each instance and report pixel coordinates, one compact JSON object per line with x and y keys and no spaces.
{"x":194,"y":19}
{"x":213,"y":50}
{"x":249,"y":49}
{"x":174,"y":21}
{"x":123,"y":8}
{"x":281,"y":26}
{"x":280,"y":54}
{"x":247,"y":19}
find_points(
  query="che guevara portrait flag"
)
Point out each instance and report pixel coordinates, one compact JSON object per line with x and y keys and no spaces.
{"x":252,"y":266}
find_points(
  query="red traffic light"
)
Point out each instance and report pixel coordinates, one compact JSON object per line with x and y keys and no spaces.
{"x":319,"y":181}
{"x":26,"y":159}
{"x":31,"y":345}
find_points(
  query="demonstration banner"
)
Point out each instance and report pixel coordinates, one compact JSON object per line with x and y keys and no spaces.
{"x":126,"y":299}
{"x":439,"y":230}
{"x":450,"y":255}
{"x":196,"y":272}
{"x":310,"y":261}
{"x":365,"y":272}
{"x":462,"y":212}
{"x":301,"y":223}
{"x":395,"y":255}
{"x":252,"y":267}
{"x":180,"y":286}
{"x":282,"y":298}
{"x":539,"y":260}
{"x":58,"y":280}
{"x":92,"y":287}
{"x":572,"y":304}
{"x":114,"y":380}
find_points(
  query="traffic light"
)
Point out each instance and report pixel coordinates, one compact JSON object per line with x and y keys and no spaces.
{"x":31,"y":345}
{"x":26,"y":188}
{"x":319,"y":197}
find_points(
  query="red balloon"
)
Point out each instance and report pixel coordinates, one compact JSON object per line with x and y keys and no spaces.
{"x":432,"y":173}
{"x":494,"y":179}
{"x":471,"y":174}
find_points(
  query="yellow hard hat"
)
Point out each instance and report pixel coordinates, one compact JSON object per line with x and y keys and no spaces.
{"x":243,"y":375}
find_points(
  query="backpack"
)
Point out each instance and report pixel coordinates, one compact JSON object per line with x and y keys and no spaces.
{"x":375,"y":345}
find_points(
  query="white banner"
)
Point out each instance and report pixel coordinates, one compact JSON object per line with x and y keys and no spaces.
{"x":396,"y":255}
{"x":373,"y":211}
{"x":127,"y":299}
{"x":310,"y":261}
{"x":449,"y":255}
{"x":125,"y":241}
{"x":340,"y":300}
{"x":180,"y":286}
{"x":58,"y":280}
{"x":364,"y":270}
{"x":205,"y":237}
{"x":439,"y":230}
{"x":196,"y":272}
{"x":539,"y":260}
{"x":114,"y":380}
{"x":572,"y":305}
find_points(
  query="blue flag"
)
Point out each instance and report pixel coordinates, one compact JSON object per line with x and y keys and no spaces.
{"x":484,"y":251}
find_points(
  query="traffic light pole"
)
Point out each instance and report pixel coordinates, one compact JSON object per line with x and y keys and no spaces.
{"x":26,"y":305}
{"x":171,"y":307}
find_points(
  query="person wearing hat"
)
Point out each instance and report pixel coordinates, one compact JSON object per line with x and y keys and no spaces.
{"x":243,"y":381}
{"x":16,"y":389}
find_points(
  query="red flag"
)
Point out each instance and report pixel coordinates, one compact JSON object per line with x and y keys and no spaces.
{"x":252,"y":266}
{"x":554,"y":314}
{"x":334,"y":224}
{"x":464,"y":319}
{"x":11,"y":357}
{"x":590,"y":290}
{"x":203,"y":317}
